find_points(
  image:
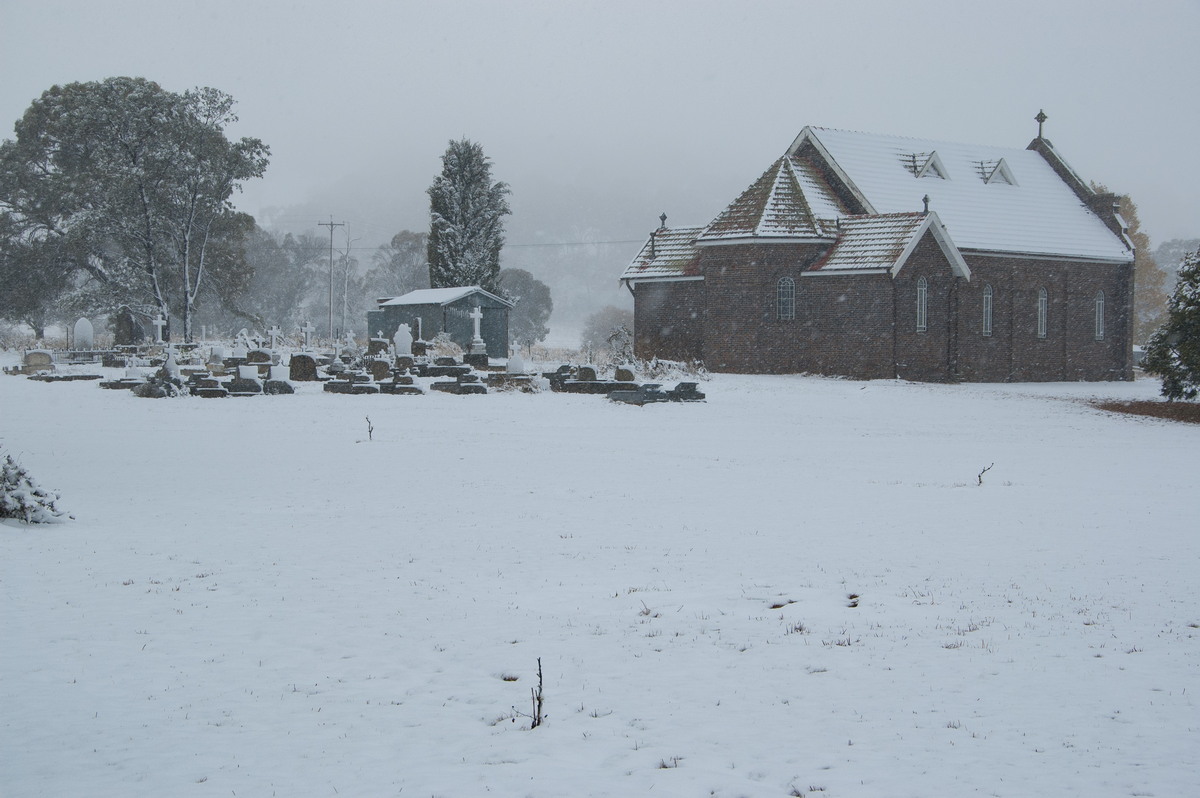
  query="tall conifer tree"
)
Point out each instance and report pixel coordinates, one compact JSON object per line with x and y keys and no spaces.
{"x":466,"y":220}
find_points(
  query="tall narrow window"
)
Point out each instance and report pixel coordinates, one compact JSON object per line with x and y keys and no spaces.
{"x":1043,"y":309}
{"x":785,"y":299}
{"x":922,"y":304}
{"x":987,"y":309}
{"x":1099,"y":315}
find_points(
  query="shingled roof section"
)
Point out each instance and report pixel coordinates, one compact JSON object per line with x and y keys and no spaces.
{"x":774,"y":207}
{"x":883,"y":242}
{"x":666,"y":254}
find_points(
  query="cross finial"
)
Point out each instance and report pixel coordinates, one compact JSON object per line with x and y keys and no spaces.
{"x":1041,"y":120}
{"x":663,"y":219}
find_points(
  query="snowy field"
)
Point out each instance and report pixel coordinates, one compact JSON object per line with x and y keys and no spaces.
{"x":255,"y":600}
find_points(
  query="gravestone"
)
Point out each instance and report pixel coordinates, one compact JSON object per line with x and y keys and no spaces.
{"x":258,"y":356}
{"x":403,"y":340}
{"x":38,"y":360}
{"x":515,"y":365}
{"x":586,"y":374}
{"x":302,"y":368}
{"x":84,"y":335}
{"x":624,"y":374}
{"x":159,"y":323}
{"x":277,"y":381}
{"x":376,"y":346}
{"x":380,"y":369}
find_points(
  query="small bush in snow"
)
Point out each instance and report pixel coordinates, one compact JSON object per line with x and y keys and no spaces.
{"x":22,"y":499}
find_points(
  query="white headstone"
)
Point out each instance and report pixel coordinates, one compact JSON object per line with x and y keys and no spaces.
{"x":171,"y":366}
{"x":281,"y":373}
{"x":403,"y":340}
{"x":217,"y":355}
{"x":84,"y":334}
{"x":159,"y":323}
{"x":248,"y":372}
{"x":516,"y":365}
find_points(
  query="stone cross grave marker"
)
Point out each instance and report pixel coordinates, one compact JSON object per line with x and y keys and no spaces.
{"x":275,"y":334}
{"x":477,"y":317}
{"x":308,"y":329}
{"x":159,"y":323}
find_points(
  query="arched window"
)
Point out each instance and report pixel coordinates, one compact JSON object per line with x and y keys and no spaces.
{"x":987,"y":309}
{"x":785,"y":299}
{"x":1043,"y":310}
{"x":1099,"y":315}
{"x":922,"y":304}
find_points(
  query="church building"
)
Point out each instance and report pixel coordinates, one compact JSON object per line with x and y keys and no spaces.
{"x":873,"y":256}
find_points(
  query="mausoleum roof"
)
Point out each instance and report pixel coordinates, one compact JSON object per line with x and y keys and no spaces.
{"x":439,"y":296}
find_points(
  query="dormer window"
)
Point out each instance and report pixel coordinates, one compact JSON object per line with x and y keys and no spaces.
{"x":995,"y":172}
{"x":925,"y":164}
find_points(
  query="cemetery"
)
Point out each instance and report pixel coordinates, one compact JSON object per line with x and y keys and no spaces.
{"x":256,"y":365}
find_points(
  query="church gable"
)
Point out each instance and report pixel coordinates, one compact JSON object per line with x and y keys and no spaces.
{"x":882,"y":243}
{"x":775,"y":207}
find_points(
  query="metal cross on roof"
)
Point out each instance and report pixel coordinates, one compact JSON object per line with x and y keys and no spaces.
{"x":1040,"y":119}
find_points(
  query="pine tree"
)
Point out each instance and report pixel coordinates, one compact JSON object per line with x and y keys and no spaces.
{"x":466,"y":220}
{"x":1174,"y":350}
{"x":21,"y":498}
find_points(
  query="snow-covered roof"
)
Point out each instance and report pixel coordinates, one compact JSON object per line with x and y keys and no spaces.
{"x":439,"y":296}
{"x":883,"y":242}
{"x":791,"y":200}
{"x":992,"y":199}
{"x":667,"y":254}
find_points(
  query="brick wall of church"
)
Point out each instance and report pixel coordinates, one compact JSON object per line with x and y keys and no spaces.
{"x":669,"y":320}
{"x":1070,"y":350}
{"x":927,"y":355}
{"x":864,"y":326}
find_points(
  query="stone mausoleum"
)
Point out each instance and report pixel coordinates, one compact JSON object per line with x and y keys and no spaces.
{"x":431,"y":311}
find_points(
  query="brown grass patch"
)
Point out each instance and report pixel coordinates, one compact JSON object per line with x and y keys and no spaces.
{"x":1187,"y":412}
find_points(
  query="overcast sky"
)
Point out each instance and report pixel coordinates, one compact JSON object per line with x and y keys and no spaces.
{"x":601,"y":115}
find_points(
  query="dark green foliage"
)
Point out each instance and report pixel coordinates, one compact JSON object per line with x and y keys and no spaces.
{"x":1174,"y":350}
{"x":466,"y":220}
{"x":117,"y":192}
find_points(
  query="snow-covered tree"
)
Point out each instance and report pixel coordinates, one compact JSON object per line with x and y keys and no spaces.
{"x":527,"y":320}
{"x":601,"y":325}
{"x":400,"y":266}
{"x":466,"y":219}
{"x":21,"y":497}
{"x":1174,"y":350}
{"x":124,"y":187}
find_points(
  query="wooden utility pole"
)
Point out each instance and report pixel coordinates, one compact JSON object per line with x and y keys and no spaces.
{"x":331,"y":224}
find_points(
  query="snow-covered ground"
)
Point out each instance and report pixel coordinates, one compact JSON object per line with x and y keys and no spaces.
{"x":255,"y":600}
